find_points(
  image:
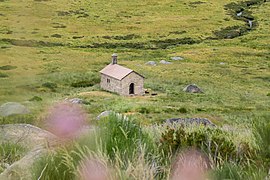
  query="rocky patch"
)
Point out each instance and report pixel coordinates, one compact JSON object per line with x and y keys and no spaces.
{"x":188,"y":121}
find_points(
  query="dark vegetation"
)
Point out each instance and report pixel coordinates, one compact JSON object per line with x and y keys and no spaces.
{"x":212,"y":141}
{"x":56,"y":35}
{"x":233,"y":9}
{"x":125,"y":37}
{"x":3,"y":75}
{"x":80,"y":13}
{"x":8,"y":67}
{"x":30,"y":43}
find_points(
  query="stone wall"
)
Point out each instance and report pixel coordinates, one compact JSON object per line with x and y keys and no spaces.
{"x":138,"y":84}
{"x":122,"y":87}
{"x":113,"y":85}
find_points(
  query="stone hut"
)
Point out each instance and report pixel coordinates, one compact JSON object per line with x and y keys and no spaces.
{"x":121,"y":80}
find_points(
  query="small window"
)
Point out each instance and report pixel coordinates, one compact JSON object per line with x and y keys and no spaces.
{"x":108,"y":80}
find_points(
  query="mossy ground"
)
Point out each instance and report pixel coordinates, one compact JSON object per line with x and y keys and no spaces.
{"x":42,"y":39}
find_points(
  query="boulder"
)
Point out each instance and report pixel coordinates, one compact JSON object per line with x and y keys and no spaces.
{"x":26,"y":135}
{"x":12,"y":108}
{"x":177,"y":58}
{"x":76,"y":101}
{"x":35,"y":140}
{"x":188,"y":121}
{"x":151,"y":63}
{"x":192,"y":88}
{"x":164,"y":62}
{"x":104,"y":114}
{"x":239,"y":14}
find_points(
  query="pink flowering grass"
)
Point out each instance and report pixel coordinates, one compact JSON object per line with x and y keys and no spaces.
{"x":190,"y":165}
{"x":93,"y":169}
{"x":65,"y":120}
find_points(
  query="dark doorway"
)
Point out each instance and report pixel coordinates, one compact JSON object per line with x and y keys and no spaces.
{"x":131,"y":88}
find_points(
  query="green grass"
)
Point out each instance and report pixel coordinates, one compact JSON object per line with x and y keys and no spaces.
{"x":55,"y":49}
{"x":238,"y":87}
{"x":130,"y":150}
{"x":9,"y":153}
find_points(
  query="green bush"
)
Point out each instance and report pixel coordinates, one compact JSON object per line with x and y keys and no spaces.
{"x":182,"y":110}
{"x":213,"y":141}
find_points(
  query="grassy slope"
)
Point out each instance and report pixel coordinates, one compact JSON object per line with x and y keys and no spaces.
{"x":233,"y":91}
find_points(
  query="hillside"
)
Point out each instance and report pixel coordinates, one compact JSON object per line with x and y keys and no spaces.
{"x":63,"y":42}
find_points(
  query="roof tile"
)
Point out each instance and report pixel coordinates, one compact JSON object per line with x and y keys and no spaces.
{"x":116,"y":71}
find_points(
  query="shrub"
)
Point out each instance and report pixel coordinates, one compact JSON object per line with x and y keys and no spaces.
{"x":182,"y":110}
{"x":214,"y":142}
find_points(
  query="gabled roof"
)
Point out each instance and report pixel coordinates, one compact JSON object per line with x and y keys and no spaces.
{"x":116,"y":71}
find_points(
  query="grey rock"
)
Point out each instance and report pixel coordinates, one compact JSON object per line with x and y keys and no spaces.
{"x":35,"y":140}
{"x":104,"y":114}
{"x":250,"y":23}
{"x":26,"y":135}
{"x":192,"y":88}
{"x":188,"y":121}
{"x":12,"y":108}
{"x":239,"y":14}
{"x":76,"y":101}
{"x":177,"y":58}
{"x":164,"y":62}
{"x":222,"y":63}
{"x":151,"y":63}
{"x":23,"y":166}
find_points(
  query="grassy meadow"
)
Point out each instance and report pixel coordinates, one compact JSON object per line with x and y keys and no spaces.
{"x":51,"y":50}
{"x":42,"y":39}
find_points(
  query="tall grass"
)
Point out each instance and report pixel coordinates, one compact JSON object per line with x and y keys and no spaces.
{"x":9,"y":153}
{"x":118,"y":142}
{"x":129,"y":151}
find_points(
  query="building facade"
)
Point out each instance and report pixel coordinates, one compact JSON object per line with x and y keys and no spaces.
{"x":121,"y":80}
